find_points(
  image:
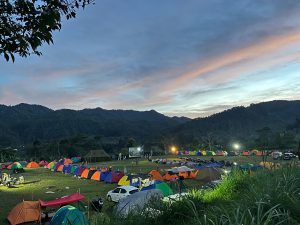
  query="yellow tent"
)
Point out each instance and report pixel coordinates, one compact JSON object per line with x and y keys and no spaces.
{"x":124,"y":181}
{"x":26,"y":211}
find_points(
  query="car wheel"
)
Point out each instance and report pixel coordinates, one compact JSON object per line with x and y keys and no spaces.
{"x":109,"y":198}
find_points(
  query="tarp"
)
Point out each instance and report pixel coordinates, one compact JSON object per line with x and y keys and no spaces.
{"x":69,"y":215}
{"x":137,"y":200}
{"x":26,"y":211}
{"x":62,"y":201}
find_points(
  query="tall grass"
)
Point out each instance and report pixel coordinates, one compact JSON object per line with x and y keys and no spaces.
{"x":265,"y":198}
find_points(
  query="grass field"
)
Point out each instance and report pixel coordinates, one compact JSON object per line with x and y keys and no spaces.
{"x":39,"y":181}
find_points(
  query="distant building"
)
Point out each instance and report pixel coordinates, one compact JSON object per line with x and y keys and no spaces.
{"x":97,"y":156}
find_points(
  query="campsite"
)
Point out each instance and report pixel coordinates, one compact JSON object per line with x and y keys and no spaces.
{"x":42,"y":184}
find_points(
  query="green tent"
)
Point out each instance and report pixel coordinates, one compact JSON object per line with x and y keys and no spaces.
{"x":165,"y":188}
{"x":73,"y":168}
{"x":23,"y":163}
{"x":16,"y":165}
{"x":69,"y":215}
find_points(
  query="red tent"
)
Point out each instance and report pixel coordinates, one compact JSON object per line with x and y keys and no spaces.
{"x":62,"y":201}
{"x":43,"y":163}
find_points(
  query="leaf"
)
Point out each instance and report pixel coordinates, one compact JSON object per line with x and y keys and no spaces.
{"x":6,"y":56}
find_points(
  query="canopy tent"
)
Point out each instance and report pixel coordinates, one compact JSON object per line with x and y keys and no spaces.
{"x":155,"y":175}
{"x":97,"y":155}
{"x":43,"y":163}
{"x":69,"y":215}
{"x":114,"y":177}
{"x":62,"y":201}
{"x":33,"y":165}
{"x":137,"y":201}
{"x":156,"y":184}
{"x":26,"y":211}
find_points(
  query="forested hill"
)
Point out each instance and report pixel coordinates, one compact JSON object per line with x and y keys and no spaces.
{"x":25,"y":123}
{"x":241,"y":122}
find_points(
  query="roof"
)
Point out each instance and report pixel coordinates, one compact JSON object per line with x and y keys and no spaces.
{"x":98,"y":153}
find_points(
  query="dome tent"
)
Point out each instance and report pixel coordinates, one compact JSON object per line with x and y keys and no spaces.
{"x":69,"y":215}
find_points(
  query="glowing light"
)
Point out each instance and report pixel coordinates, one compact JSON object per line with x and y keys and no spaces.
{"x":173,"y":149}
{"x":236,"y":146}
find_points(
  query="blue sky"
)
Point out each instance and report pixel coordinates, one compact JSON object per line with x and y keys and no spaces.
{"x":186,"y":58}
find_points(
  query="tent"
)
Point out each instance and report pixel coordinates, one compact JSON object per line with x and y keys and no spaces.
{"x":269,"y":165}
{"x":114,"y":177}
{"x":246,"y":153}
{"x":180,"y":169}
{"x":209,"y":174}
{"x":124,"y":181}
{"x":60,"y":168}
{"x":103,"y":175}
{"x":73,"y":168}
{"x":43,"y":163}
{"x":65,"y":161}
{"x":203,"y":153}
{"x":23,"y":163}
{"x":188,"y":174}
{"x":91,"y":173}
{"x":210,"y":153}
{"x":136,"y":201}
{"x":170,"y":176}
{"x":97,"y":155}
{"x":69,"y":215}
{"x":32,"y":165}
{"x":96,"y":176}
{"x":67,"y":168}
{"x":51,"y":165}
{"x":15,"y":166}
{"x":133,"y":180}
{"x":26,"y":211}
{"x":157,"y":184}
{"x":76,"y":159}
{"x":78,"y":171}
{"x":155,"y":175}
{"x":85,"y":173}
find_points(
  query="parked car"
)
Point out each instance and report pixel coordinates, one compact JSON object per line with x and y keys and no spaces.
{"x":277,"y":155}
{"x":288,"y":156}
{"x":121,"y":192}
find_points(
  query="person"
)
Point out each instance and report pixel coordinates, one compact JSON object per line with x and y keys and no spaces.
{"x":120,"y":156}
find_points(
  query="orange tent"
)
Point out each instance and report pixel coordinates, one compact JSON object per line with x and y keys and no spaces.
{"x":67,"y":161}
{"x":26,"y":211}
{"x":188,"y":175}
{"x":169,"y":177}
{"x":9,"y":167}
{"x":85,"y":173}
{"x":155,"y":175}
{"x":60,"y":168}
{"x":96,"y":176}
{"x":32,"y":165}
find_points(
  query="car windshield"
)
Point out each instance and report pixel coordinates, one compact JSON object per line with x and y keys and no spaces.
{"x":133,"y":191}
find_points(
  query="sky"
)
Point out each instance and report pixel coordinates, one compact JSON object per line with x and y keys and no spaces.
{"x":181,"y":58}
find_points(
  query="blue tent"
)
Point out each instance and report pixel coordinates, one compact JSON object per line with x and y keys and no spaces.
{"x":79,"y":170}
{"x":67,"y":168}
{"x":103,"y":175}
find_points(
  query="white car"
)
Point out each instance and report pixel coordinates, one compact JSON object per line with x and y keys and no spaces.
{"x":121,"y":192}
